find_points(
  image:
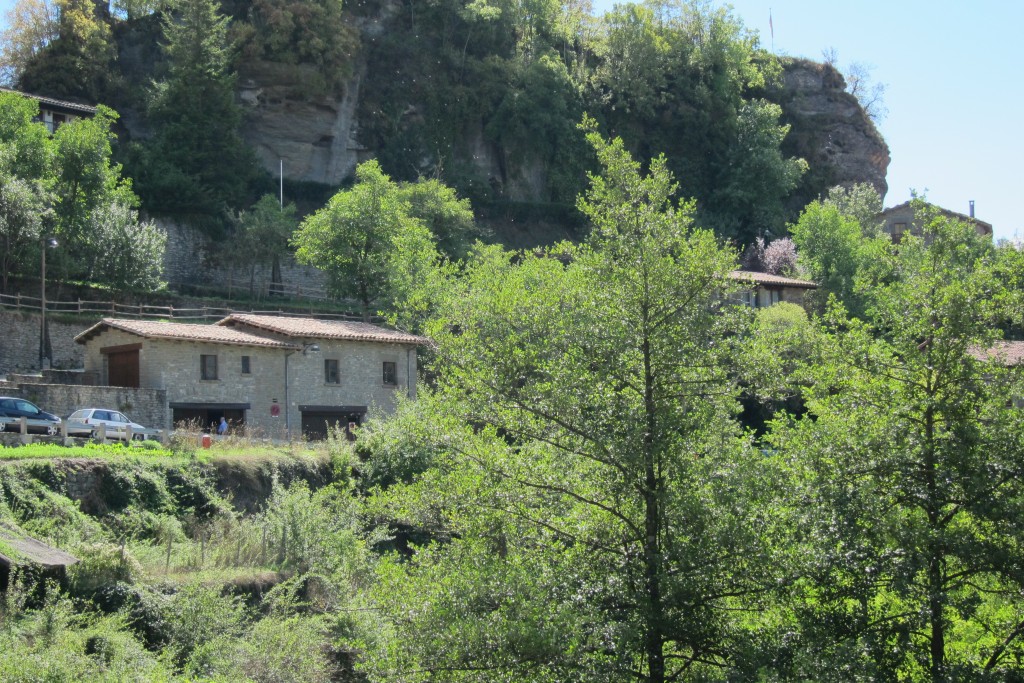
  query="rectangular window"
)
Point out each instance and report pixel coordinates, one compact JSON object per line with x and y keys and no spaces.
{"x":331,"y":374}
{"x":390,"y":373}
{"x":208,"y":366}
{"x":245,"y":365}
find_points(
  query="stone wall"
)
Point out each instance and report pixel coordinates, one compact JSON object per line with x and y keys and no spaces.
{"x":191,"y":259}
{"x":148,"y":407}
{"x":19,"y":349}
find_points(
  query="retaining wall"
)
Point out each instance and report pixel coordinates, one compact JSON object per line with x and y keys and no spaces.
{"x":148,"y":407}
{"x":19,"y":342}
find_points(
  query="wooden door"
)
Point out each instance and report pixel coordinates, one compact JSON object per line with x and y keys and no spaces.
{"x":123,"y":369}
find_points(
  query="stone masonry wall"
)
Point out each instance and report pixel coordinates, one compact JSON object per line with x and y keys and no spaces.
{"x":19,"y":342}
{"x":190,"y":258}
{"x":148,"y":407}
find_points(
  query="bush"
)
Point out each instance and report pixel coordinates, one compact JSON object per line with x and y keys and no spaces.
{"x":99,"y":565}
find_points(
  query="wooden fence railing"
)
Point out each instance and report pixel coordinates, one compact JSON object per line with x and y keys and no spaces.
{"x":113,"y":309}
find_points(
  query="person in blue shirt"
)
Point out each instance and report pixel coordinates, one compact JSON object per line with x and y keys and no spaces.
{"x":222,"y":428}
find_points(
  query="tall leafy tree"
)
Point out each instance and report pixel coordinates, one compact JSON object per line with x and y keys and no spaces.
{"x":365,"y":239}
{"x":76,"y":64}
{"x":84,"y":178}
{"x":838,"y":241}
{"x":596,"y":498}
{"x":445,"y":214}
{"x":128,"y":253}
{"x":22,"y":206}
{"x":29,"y":26}
{"x":261,"y":237}
{"x":197,"y":163}
{"x":911,"y":506}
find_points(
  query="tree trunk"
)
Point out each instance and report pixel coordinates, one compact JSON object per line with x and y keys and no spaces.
{"x":654,"y":645}
{"x":936,"y":587}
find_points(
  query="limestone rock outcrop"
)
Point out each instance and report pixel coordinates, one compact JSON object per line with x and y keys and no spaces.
{"x":830,"y":129}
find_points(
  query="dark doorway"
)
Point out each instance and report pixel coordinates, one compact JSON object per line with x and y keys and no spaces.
{"x":318,"y":420}
{"x":207,"y":416}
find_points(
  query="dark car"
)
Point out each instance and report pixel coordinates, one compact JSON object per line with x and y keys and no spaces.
{"x":39,"y":421}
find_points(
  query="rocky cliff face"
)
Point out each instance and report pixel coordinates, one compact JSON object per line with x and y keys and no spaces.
{"x":318,"y":138}
{"x":314,"y":137}
{"x":830,"y":130}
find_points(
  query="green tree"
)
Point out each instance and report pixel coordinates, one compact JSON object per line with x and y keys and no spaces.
{"x":911,"y":505}
{"x":261,"y":237}
{"x":128,"y":253}
{"x":83,"y":180}
{"x":837,"y":241}
{"x":27,"y":146}
{"x":77,"y":63}
{"x":756,"y":177}
{"x":595,"y":495}
{"x":197,"y":164}
{"x":22,"y":206}
{"x":366,"y":239}
{"x":29,"y":26}
{"x":447,"y":216}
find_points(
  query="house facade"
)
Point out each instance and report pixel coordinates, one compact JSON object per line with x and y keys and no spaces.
{"x":765,"y":289}
{"x":275,"y":375}
{"x":53,"y":113}
{"x":900,"y":220}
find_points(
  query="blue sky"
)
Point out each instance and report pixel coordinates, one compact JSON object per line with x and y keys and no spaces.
{"x":954,"y":92}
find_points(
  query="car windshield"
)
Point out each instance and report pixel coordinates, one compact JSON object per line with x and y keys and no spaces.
{"x":27,"y":407}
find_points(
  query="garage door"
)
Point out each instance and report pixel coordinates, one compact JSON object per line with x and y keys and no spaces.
{"x":317,"y":420}
{"x":122,"y":366}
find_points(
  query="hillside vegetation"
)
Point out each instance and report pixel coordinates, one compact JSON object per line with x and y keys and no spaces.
{"x":485,"y":96}
{"x":613,"y":472}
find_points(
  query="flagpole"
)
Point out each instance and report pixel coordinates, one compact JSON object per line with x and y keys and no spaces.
{"x":771,"y":26}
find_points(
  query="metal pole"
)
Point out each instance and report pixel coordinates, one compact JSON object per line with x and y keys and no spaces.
{"x":287,"y":416}
{"x":282,"y":184}
{"x":42,"y":306}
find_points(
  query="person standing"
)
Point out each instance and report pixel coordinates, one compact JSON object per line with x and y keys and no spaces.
{"x":222,"y":428}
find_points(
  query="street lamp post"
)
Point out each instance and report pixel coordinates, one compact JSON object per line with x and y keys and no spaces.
{"x":44,"y":359}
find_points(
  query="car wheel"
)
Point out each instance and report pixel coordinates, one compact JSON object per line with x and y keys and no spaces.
{"x":138,"y":437}
{"x":3,"y":426}
{"x":52,"y":430}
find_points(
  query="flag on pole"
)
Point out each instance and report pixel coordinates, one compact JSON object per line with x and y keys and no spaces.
{"x":771,"y":26}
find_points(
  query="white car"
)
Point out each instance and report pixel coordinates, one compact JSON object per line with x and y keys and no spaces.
{"x":86,"y":422}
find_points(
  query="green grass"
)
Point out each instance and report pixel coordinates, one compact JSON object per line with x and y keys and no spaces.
{"x":107,"y":451}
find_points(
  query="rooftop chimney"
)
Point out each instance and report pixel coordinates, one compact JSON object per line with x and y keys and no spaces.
{"x":972,"y":208}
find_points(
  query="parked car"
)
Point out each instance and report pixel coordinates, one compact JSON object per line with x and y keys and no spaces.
{"x":39,"y":421}
{"x":85,"y":422}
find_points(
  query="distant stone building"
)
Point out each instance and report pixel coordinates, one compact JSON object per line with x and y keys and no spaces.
{"x":900,"y":219}
{"x":765,"y":289}
{"x":274,"y":374}
{"x":53,"y":113}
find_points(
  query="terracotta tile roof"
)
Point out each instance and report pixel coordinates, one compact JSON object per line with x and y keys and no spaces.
{"x":768,"y":279}
{"x":184,"y":332}
{"x":312,"y":328}
{"x":1006,"y":352}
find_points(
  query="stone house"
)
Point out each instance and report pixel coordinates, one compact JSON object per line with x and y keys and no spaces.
{"x":766,"y":289}
{"x":53,"y":112}
{"x":275,"y":375}
{"x":900,"y":219}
